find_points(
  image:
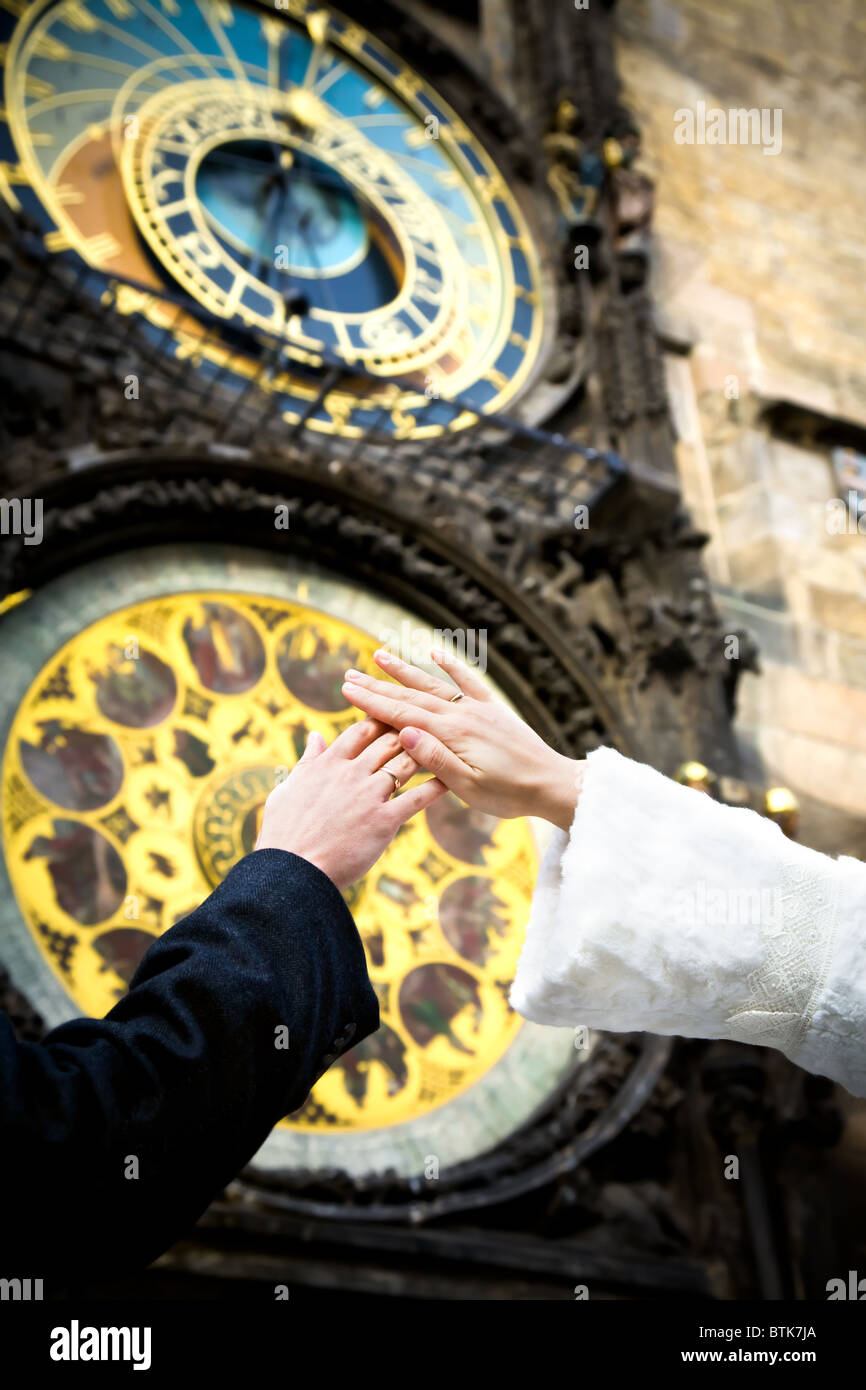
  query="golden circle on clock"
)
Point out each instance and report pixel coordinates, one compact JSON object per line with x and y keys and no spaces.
{"x":134,"y":777}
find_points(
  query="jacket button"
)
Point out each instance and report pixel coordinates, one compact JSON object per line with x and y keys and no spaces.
{"x":347,"y":1033}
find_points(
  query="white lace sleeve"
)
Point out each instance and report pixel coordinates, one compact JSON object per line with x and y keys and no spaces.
{"x":665,"y":911}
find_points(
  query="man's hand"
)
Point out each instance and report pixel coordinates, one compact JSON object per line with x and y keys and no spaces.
{"x":476,"y":745}
{"x":335,"y":808}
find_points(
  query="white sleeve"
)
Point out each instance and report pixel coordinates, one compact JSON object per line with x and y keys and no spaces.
{"x":666,"y":912}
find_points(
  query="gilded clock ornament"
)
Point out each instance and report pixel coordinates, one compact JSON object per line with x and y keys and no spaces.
{"x":299,"y":182}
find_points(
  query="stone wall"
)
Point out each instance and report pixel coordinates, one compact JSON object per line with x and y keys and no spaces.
{"x":759,"y":275}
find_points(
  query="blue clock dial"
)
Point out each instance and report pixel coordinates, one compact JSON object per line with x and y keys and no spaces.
{"x":296,"y":179}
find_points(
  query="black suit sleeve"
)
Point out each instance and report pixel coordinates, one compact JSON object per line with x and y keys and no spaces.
{"x":183,"y":1079}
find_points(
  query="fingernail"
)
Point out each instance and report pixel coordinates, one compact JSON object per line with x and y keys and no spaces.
{"x":352,"y":675}
{"x":409,"y":738}
{"x":437,"y":654}
{"x":382,"y":655}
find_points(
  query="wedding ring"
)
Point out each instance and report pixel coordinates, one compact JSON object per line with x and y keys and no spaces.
{"x":396,"y":778}
{"x":458,"y":696}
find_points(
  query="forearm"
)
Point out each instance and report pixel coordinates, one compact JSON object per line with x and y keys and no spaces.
{"x":118,"y":1132}
{"x":662,"y":910}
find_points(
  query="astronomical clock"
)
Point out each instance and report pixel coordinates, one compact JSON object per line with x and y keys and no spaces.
{"x":302,"y":354}
{"x":291,"y":175}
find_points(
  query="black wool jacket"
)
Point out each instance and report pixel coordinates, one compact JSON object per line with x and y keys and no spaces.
{"x":181,"y":1082}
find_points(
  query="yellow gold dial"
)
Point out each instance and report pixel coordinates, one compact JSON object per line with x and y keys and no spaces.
{"x":134,"y":776}
{"x":151,"y":701}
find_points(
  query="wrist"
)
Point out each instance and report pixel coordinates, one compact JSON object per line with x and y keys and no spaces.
{"x":300,"y":850}
{"x":560,"y":789}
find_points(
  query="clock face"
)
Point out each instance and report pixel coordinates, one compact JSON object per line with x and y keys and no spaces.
{"x":151,"y":703}
{"x":299,"y":182}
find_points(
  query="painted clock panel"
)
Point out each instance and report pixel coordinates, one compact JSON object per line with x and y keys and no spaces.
{"x":143,"y":737}
{"x":296,"y":180}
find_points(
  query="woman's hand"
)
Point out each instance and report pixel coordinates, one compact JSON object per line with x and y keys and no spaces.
{"x":475,"y":745}
{"x":335,"y":808}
